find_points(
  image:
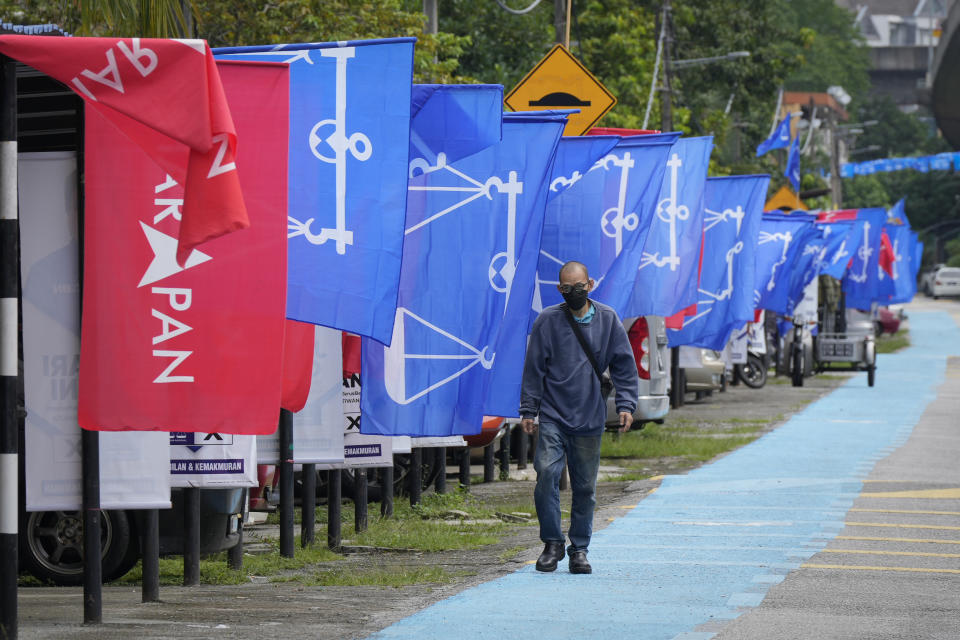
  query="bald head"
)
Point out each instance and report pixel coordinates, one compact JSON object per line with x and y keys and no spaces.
{"x":575,"y":270}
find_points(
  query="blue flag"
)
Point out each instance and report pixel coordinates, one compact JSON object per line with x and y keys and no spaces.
{"x":780,"y":237}
{"x":349,"y":140}
{"x":601,"y":220}
{"x":840,"y":237}
{"x":917,"y":256}
{"x":779,"y":139}
{"x":469,"y":259}
{"x":792,"y":172}
{"x":805,"y":266}
{"x":733,"y":207}
{"x":861,"y":282}
{"x":577,"y":155}
{"x":897,"y":214}
{"x":457,"y":120}
{"x":667,"y":275}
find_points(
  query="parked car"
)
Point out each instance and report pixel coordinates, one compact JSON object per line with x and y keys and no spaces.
{"x":707,"y":378}
{"x":945,"y":282}
{"x":648,"y":338}
{"x":927,"y":278}
{"x":51,"y":542}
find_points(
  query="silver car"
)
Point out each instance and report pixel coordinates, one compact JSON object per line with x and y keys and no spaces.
{"x":648,"y":337}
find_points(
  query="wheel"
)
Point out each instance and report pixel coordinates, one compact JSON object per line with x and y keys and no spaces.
{"x":401,"y":469}
{"x":51,"y":545}
{"x":871,"y":374}
{"x":754,"y":373}
{"x":348,"y":483}
{"x":796,"y":368}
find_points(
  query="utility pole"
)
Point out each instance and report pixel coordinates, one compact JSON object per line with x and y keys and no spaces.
{"x":430,"y":10}
{"x":560,"y":21}
{"x":836,"y":196}
{"x":666,"y":95}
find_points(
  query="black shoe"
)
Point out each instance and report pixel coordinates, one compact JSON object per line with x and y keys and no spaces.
{"x":578,"y":562}
{"x":552,"y":554}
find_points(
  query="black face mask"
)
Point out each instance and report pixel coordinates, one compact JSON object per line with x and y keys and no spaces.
{"x":575,"y":299}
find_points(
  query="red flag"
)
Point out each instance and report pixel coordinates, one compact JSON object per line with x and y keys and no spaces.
{"x":198,"y":347}
{"x":351,"y":354}
{"x":886,"y":257}
{"x":166,"y":96}
{"x":835,"y":216}
{"x":297,"y":364}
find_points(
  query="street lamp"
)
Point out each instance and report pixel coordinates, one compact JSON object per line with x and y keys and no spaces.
{"x":668,"y":65}
{"x":690,"y":62}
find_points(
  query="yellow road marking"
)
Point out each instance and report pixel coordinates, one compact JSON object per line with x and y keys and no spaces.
{"x":631,"y":506}
{"x":530,"y":562}
{"x":930,"y":513}
{"x":865,"y":568}
{"x":656,"y":478}
{"x":902,"y":526}
{"x":917,"y":540}
{"x":927,"y":494}
{"x":893,"y":553}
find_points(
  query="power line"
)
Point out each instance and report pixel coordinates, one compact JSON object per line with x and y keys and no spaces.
{"x":518,"y":12}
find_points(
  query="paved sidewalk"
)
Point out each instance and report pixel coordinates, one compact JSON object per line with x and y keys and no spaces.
{"x":706,"y":548}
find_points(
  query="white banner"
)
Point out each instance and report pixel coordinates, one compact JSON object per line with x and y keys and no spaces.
{"x":133,"y":465}
{"x":757,"y":335}
{"x":439,"y":441}
{"x":360,"y":450}
{"x":736,"y":351}
{"x":212,"y":460}
{"x":806,"y":310}
{"x":318,"y":427}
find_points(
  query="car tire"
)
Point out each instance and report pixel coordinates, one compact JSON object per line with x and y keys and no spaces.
{"x":51,"y":544}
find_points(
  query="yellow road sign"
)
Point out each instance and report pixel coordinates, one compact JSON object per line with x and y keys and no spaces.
{"x":559,"y":81}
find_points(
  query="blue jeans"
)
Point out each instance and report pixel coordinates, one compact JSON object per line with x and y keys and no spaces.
{"x":582,"y":454}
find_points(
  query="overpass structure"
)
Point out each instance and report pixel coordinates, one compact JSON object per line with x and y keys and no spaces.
{"x":945,"y":94}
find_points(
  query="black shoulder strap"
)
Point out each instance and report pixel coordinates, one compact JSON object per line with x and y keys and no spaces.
{"x":583,"y":342}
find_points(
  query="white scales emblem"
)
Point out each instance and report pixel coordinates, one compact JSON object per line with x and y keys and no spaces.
{"x":613,"y":221}
{"x":669,"y":211}
{"x":501,"y":271}
{"x":332,"y":133}
{"x":712,"y":219}
{"x":766,"y":237}
{"x":864,"y":253}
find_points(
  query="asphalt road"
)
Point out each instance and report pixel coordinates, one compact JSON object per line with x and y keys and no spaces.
{"x":765,"y":542}
{"x":893,"y":570}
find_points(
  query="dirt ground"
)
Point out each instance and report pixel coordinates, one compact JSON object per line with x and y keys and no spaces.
{"x":264,"y":609}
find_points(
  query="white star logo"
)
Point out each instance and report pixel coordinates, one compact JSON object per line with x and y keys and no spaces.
{"x":165,"y":256}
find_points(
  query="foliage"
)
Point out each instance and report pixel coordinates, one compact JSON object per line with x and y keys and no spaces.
{"x":865,"y":191}
{"x":247,"y":22}
{"x":709,"y":28}
{"x":896,"y":133}
{"x":832,"y":50}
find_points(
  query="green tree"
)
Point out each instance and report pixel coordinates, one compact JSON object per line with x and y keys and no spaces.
{"x":865,"y":191}
{"x":832,"y":50}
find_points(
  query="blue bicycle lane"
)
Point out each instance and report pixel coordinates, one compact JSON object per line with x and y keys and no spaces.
{"x":707,"y":546}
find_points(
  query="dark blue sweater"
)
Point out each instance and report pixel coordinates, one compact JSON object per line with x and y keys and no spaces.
{"x":559,"y":383}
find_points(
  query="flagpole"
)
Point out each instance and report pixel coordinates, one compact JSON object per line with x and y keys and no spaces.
{"x":9,"y":352}
{"x":776,"y":112}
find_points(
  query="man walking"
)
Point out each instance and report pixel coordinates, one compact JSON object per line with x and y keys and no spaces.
{"x":561,"y":384}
